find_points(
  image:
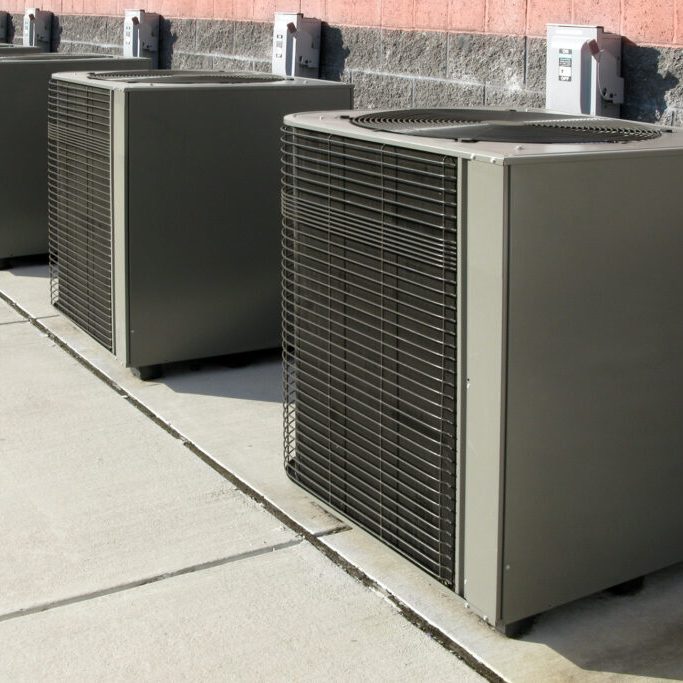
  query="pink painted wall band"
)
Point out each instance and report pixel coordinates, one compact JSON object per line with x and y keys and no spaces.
{"x":655,"y":22}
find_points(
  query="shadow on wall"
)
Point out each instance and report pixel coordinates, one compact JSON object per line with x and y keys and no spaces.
{"x":11,"y":29}
{"x":632,"y":634}
{"x":56,"y":35}
{"x":333,"y":53}
{"x":649,"y":82}
{"x":167,"y":39}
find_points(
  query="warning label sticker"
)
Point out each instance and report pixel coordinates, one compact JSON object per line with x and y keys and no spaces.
{"x":565,"y":65}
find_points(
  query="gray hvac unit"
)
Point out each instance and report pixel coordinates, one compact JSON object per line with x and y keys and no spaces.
{"x":164,"y":208}
{"x":483,"y":324}
{"x":23,"y":183}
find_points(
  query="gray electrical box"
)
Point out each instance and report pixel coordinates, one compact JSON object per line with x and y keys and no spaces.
{"x":24,"y":80}
{"x":583,"y":70}
{"x":141,"y":35}
{"x":296,"y":45}
{"x":4,"y":26}
{"x":38,"y":28}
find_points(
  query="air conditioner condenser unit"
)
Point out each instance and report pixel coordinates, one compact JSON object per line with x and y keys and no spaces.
{"x":23,"y":118}
{"x":482,"y":332}
{"x":164,"y":208}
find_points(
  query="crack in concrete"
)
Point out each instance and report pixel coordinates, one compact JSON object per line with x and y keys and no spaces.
{"x":120,"y":588}
{"x":407,"y":612}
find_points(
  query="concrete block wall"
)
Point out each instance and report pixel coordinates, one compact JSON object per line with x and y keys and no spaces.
{"x":406,"y":53}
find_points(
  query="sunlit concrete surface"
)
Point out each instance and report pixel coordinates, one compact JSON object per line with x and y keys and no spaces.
{"x":126,"y":557}
{"x":234,"y":416}
{"x":287,"y":615}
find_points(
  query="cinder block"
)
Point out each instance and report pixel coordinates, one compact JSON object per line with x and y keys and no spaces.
{"x":497,"y":60}
{"x":183,"y":60}
{"x":84,"y":28}
{"x":377,"y":91}
{"x":535,"y":63}
{"x":214,"y":35}
{"x":234,"y":64}
{"x":504,"y":97}
{"x":253,"y":39}
{"x":653,"y":81}
{"x":415,"y":52}
{"x":429,"y":93}
{"x":176,"y":35}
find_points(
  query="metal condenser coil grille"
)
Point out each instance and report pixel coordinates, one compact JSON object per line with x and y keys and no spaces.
{"x":80,"y":212}
{"x":369,"y":337}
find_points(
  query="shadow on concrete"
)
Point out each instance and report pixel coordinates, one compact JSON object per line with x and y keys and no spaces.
{"x":255,"y":376}
{"x":333,"y":53}
{"x":647,"y":80}
{"x":638,"y":634}
{"x":167,"y":40}
{"x":30,"y":266}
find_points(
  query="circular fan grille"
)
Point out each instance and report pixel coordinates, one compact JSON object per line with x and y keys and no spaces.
{"x":472,"y":125}
{"x":175,"y":76}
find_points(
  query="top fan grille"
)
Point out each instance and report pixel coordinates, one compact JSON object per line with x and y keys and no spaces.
{"x":176,"y":76}
{"x":472,"y":125}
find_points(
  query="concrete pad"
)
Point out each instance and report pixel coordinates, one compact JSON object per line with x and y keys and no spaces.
{"x":234,"y":414}
{"x":600,"y":638}
{"x":93,"y":493}
{"x":289,"y":615}
{"x":8,"y":314}
{"x":28,"y":284}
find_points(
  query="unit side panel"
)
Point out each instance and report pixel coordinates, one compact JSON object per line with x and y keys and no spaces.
{"x":24,"y":121}
{"x":594,"y":462}
{"x":204,"y":218}
{"x":119,"y":146}
{"x":485,"y":273}
{"x":24,"y":177}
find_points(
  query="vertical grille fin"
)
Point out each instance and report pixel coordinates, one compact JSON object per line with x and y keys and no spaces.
{"x":80,"y":208}
{"x":369,"y":337}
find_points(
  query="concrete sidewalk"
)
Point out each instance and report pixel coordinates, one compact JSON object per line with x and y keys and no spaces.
{"x":232,"y":419}
{"x":126,"y":557}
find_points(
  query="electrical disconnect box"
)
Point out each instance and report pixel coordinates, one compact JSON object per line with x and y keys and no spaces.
{"x":141,"y":35}
{"x":583,"y":70}
{"x":38,"y":28}
{"x":3,"y":27}
{"x":296,"y":45}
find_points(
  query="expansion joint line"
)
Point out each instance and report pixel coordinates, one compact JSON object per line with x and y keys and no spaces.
{"x":84,"y":597}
